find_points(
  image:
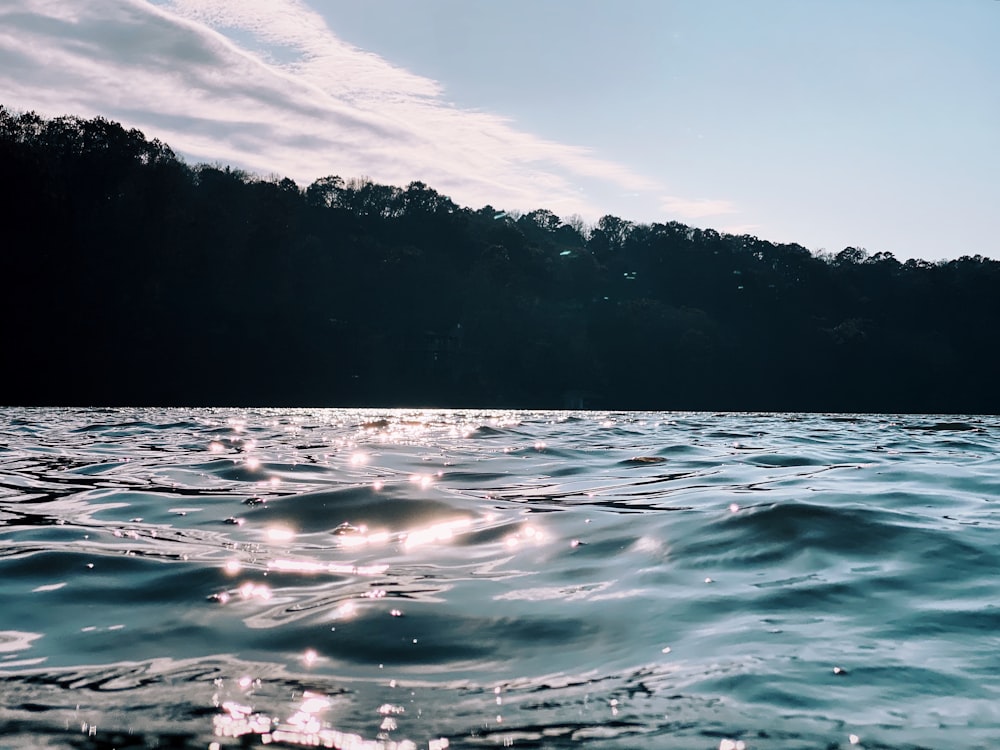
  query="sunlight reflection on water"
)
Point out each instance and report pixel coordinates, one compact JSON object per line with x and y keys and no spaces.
{"x":356,"y":578}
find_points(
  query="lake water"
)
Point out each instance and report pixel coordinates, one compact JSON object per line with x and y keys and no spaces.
{"x":476,"y":579}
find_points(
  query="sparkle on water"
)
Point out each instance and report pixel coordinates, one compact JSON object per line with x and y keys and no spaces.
{"x":442,"y":579}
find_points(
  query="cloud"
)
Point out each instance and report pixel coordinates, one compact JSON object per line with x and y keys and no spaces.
{"x":688,"y":208}
{"x":267,"y":86}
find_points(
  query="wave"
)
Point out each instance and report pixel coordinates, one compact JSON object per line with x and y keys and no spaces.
{"x":534,"y":579}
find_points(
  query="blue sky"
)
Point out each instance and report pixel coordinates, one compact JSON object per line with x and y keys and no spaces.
{"x":872,"y":123}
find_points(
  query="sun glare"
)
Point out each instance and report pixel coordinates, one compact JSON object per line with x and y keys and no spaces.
{"x":280,"y":534}
{"x":436,"y":534}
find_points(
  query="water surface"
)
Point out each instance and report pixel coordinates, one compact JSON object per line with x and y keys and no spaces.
{"x":470,"y":579}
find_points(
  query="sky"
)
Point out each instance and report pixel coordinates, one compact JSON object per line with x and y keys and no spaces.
{"x":830,"y":123}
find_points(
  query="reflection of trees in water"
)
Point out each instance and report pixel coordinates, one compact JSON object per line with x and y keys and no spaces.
{"x":135,"y":278}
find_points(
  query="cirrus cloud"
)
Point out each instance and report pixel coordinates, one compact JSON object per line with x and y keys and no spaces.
{"x":267,"y":86}
{"x":698,"y":208}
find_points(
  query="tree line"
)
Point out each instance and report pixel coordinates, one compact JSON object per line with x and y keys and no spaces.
{"x":134,"y":278}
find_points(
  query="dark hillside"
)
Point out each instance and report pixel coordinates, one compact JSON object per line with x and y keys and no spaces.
{"x":132,"y":278}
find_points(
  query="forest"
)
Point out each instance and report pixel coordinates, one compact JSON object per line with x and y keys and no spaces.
{"x":132,"y":278}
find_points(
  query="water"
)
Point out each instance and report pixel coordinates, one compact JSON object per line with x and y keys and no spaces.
{"x":430,"y":579}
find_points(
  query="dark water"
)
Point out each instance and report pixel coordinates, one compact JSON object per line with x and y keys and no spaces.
{"x":409,"y":579}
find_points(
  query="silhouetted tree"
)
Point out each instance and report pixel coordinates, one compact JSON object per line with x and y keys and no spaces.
{"x":134,"y":278}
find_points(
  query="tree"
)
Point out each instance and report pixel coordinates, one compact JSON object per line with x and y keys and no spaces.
{"x":325,"y":191}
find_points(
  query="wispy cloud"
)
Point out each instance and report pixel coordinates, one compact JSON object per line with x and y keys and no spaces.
{"x":687,"y":208}
{"x":266,"y":85}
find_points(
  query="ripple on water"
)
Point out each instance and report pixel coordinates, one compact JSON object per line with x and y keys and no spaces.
{"x":534,"y":579}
